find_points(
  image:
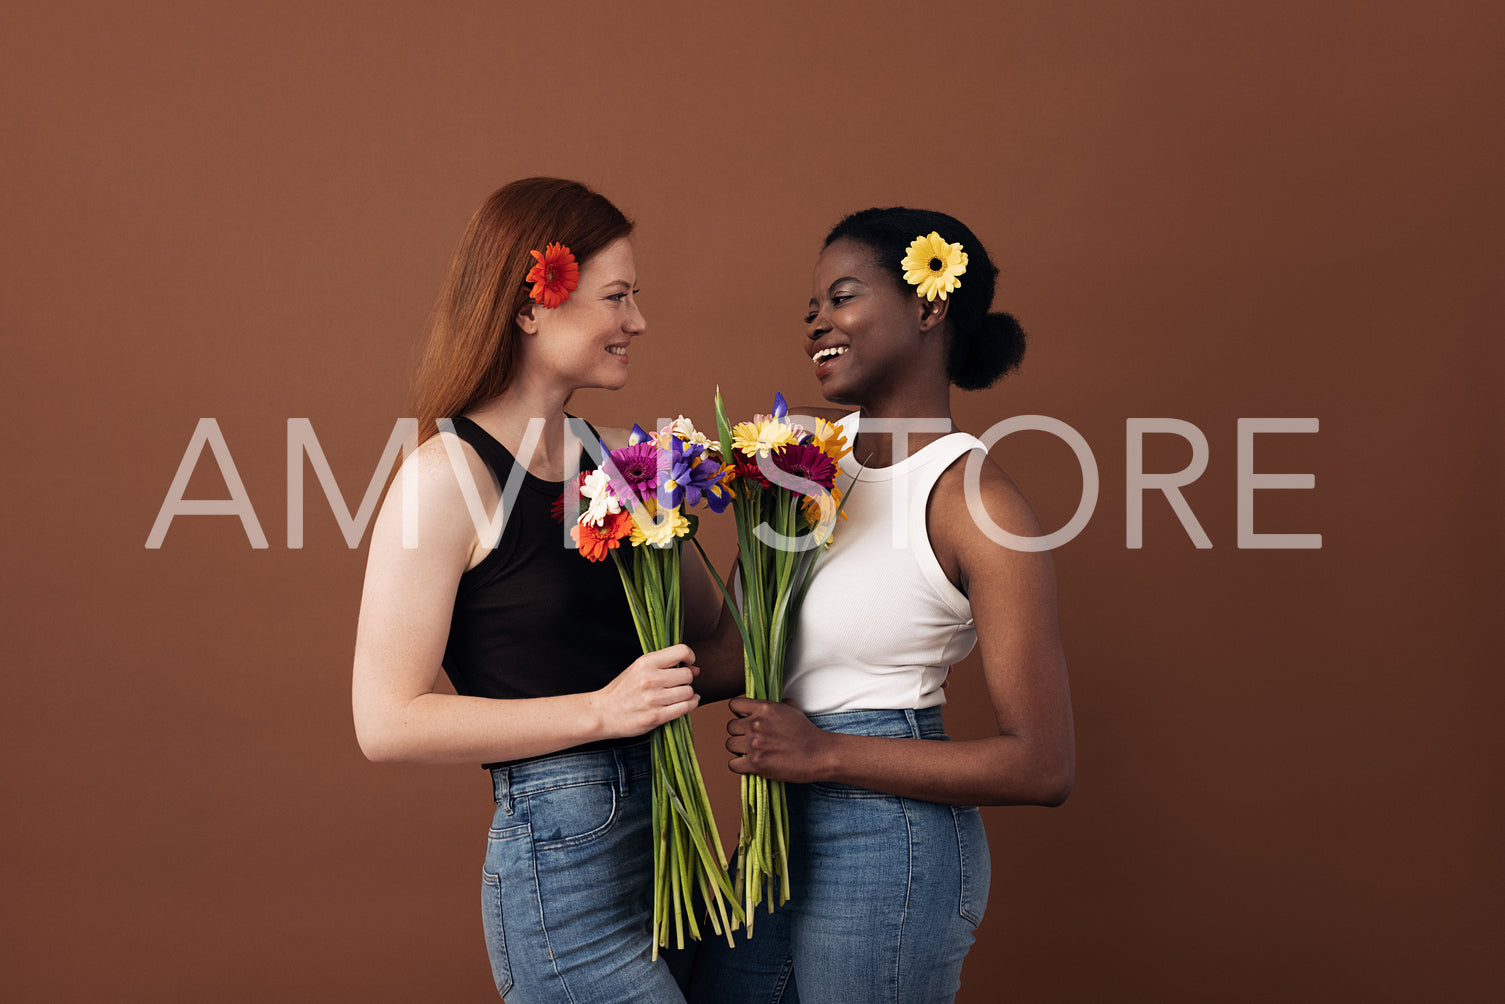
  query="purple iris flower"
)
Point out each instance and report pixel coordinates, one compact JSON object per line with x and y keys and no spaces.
{"x":720,"y":496}
{"x":690,"y":474}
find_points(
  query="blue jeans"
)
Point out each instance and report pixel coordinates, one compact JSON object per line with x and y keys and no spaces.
{"x":885,"y":893}
{"x":566,"y":891}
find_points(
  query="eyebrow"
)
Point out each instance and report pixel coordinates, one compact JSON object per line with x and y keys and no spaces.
{"x":618,"y":282}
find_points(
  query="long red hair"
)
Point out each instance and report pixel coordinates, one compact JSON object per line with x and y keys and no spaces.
{"x":470,"y":354}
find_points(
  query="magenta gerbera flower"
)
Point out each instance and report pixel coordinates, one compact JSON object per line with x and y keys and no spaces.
{"x":637,"y":465}
{"x":808,"y":462}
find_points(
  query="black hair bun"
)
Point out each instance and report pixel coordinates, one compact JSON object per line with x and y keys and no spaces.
{"x":981,"y":355}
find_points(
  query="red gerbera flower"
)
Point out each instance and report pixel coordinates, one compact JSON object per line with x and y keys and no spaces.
{"x":554,"y":276}
{"x":746,"y":469}
{"x":557,"y":508}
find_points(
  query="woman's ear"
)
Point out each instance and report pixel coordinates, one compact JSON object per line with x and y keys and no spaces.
{"x":932,"y":313}
{"x":525,"y":319}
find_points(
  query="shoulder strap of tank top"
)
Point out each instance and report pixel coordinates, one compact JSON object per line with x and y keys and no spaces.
{"x":939,"y":455}
{"x":493,"y":454}
{"x":500,"y":460}
{"x":948,"y":448}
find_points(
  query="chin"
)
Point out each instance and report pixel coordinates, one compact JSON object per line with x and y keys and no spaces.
{"x":836,"y":394}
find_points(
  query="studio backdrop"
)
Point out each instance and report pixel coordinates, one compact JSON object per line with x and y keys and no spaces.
{"x":1257,"y":250}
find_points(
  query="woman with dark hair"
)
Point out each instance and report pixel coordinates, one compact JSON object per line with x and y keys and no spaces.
{"x":469,"y":572}
{"x":889,"y":862}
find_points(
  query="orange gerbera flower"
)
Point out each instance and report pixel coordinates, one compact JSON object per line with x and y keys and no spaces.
{"x":597,"y":542}
{"x":810,"y":507}
{"x":554,"y":276}
{"x":831,"y":440}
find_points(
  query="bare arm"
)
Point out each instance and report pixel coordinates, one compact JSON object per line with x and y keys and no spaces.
{"x":1013,"y":596}
{"x":404,"y":623}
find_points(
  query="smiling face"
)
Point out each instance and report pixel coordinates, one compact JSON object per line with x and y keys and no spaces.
{"x":866,"y":336}
{"x":584,"y":342}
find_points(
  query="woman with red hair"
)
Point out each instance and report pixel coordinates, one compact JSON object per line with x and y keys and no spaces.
{"x":469,"y":573}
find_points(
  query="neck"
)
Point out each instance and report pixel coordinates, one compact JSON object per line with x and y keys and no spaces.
{"x":507,"y":417}
{"x":876,"y":449}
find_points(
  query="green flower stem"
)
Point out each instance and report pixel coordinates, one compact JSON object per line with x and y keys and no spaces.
{"x":679,"y":933}
{"x":685,"y":866}
{"x":660,"y":853}
{"x":698,"y":786}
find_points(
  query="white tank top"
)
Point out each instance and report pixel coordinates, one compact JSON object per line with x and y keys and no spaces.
{"x":881,"y":625}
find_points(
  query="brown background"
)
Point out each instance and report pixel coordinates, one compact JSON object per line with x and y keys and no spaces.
{"x":1289,"y":781}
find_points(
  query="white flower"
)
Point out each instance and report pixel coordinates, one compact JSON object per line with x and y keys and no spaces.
{"x":601,"y":506}
{"x":685,"y":430}
{"x":597,"y":488}
{"x":596,"y":483}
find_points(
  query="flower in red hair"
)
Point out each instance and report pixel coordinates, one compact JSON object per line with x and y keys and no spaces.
{"x":555,"y":274}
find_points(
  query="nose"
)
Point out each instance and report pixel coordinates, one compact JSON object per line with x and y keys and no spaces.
{"x":817,"y":325}
{"x":635,"y":323}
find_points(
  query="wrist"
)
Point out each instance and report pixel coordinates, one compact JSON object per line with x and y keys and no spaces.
{"x":829,"y":756}
{"x":592,"y":716}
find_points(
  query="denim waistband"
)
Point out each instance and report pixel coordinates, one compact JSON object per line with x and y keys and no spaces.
{"x":623,"y":765}
{"x":912,"y":723}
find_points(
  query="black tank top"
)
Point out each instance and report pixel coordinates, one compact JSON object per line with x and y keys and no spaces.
{"x":535,"y":618}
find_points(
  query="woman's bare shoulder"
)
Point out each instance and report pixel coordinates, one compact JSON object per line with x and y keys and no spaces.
{"x":961,"y":500}
{"x":612,"y":437}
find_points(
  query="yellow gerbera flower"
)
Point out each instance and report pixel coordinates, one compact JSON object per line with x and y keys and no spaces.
{"x":651,"y":527}
{"x":933,"y":265}
{"x":759,"y":438}
{"x":831,"y":440}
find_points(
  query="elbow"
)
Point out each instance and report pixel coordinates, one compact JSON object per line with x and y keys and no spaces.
{"x":1055,"y":781}
{"x":384,"y":724}
{"x":1044,"y":780}
{"x":1057,"y":789}
{"x":378,"y":742}
{"x":377,"y":752}
{"x":374,"y":748}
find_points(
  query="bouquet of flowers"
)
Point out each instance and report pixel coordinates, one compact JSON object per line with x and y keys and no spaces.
{"x":642,"y":494}
{"x":785,"y":503}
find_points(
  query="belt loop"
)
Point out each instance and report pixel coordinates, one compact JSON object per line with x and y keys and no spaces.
{"x":914,"y":722}
{"x":624,"y":787}
{"x":501,"y":788}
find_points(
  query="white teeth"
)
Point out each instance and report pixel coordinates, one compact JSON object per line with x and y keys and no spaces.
{"x":830,"y":353}
{"x":616,"y":350}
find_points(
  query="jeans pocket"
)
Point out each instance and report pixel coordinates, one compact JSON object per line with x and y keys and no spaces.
{"x":976,"y":864}
{"x":835,"y":789}
{"x":573,"y":814}
{"x":496,"y":935}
